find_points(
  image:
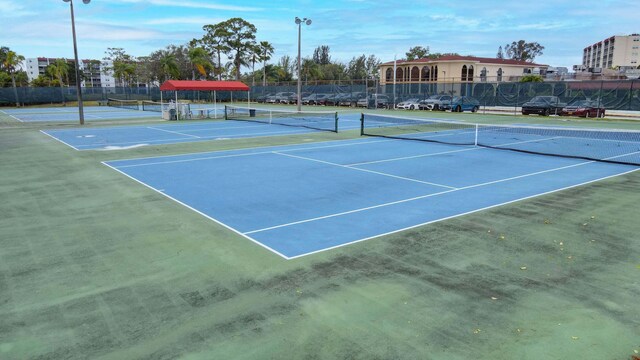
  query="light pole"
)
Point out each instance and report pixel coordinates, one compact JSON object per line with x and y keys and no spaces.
{"x":299,"y":22}
{"x":75,"y":53}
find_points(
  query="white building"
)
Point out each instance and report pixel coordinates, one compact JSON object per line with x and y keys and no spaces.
{"x":94,"y":70}
{"x":616,"y":51}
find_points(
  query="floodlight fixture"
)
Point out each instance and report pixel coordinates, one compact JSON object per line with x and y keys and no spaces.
{"x":299,"y":23}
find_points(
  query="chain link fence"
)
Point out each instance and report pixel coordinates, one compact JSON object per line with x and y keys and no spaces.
{"x":612,"y":94}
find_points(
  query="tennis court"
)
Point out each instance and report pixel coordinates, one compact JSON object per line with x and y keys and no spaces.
{"x":301,"y":199}
{"x":141,"y":135}
{"x":70,"y":114}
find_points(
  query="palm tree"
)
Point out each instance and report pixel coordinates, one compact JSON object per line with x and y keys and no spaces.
{"x":200,"y":60}
{"x":60,"y":69}
{"x":11,"y":64}
{"x":310,"y":70}
{"x":266,"y":50}
{"x":286,"y":66}
{"x":254,"y":56}
{"x":169,"y":66}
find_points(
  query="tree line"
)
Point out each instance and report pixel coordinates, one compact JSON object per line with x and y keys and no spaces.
{"x":223,"y":50}
{"x":220,"y":54}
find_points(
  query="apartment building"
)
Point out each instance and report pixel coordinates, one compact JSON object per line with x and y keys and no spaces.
{"x":93,"y":70}
{"x":615,"y":51}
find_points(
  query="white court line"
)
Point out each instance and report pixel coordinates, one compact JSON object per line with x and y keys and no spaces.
{"x":459,"y":215}
{"x":365,"y":170}
{"x":168,"y":141}
{"x":198,"y":212}
{"x":173,"y":132}
{"x":226,"y":128}
{"x":415,"y":156}
{"x":423,"y":197}
{"x":124,"y":143}
{"x":360,"y":142}
{"x":55,"y":138}
{"x":448,"y":152}
{"x":12,"y":116}
{"x":623,"y":155}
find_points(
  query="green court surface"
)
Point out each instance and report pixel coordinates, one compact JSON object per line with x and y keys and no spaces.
{"x":94,"y":265}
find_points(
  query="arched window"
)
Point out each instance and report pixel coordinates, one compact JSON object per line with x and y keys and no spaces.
{"x":470,"y":73}
{"x":415,"y":74}
{"x":425,"y":73}
{"x":483,"y":74}
{"x":463,"y":76}
{"x":399,"y":74}
{"x":435,"y":73}
{"x":388,"y":74}
{"x":499,"y":74}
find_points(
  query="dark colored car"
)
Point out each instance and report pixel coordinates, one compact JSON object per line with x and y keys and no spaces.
{"x":350,"y":99}
{"x":461,"y":103}
{"x":543,"y":105}
{"x":335,"y":99}
{"x":314,"y":99}
{"x":263,"y":98}
{"x":584,"y":108}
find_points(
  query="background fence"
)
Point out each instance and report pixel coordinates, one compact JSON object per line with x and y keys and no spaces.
{"x":613,"y":94}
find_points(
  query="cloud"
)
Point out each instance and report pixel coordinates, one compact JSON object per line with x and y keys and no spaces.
{"x":542,"y":26}
{"x":11,"y":10}
{"x":201,"y":21}
{"x":191,"y":4}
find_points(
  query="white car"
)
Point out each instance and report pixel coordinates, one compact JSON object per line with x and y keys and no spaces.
{"x":435,"y":102}
{"x":410,"y":104}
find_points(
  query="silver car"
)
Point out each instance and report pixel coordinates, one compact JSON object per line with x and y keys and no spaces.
{"x":410,"y":104}
{"x":435,"y":102}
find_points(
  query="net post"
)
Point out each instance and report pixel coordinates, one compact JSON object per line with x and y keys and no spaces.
{"x":225,"y":113}
{"x":361,"y":124}
{"x":475,"y":142}
{"x":336,"y":117}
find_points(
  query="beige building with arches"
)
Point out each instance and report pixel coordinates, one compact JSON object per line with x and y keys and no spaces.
{"x":456,"y":68}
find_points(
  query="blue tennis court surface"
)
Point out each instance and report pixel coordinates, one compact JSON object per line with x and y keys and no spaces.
{"x":139,"y":135}
{"x":301,"y":199}
{"x":70,"y":114}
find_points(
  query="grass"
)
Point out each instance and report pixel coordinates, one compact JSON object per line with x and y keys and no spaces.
{"x":93,"y":265}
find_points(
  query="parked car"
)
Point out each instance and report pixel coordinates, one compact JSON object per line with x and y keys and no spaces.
{"x":584,"y":108}
{"x":410,"y":104}
{"x":334,"y":100}
{"x":293,"y":98}
{"x":263,"y":98}
{"x":322,"y":100}
{"x":462,"y":103}
{"x":543,"y":105}
{"x":350,"y":99}
{"x":313,"y":99}
{"x":434,"y":102}
{"x":373,"y":101}
{"x":280,"y":98}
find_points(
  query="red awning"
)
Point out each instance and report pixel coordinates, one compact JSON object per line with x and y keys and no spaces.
{"x":203,"y":85}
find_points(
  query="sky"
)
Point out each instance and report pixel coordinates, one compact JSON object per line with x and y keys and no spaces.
{"x":386,"y":29}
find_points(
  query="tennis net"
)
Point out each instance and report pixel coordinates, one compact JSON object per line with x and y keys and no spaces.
{"x":614,"y":146}
{"x":317,"y":120}
{"x":205,"y":113}
{"x":123,"y":104}
{"x":154,"y":106}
